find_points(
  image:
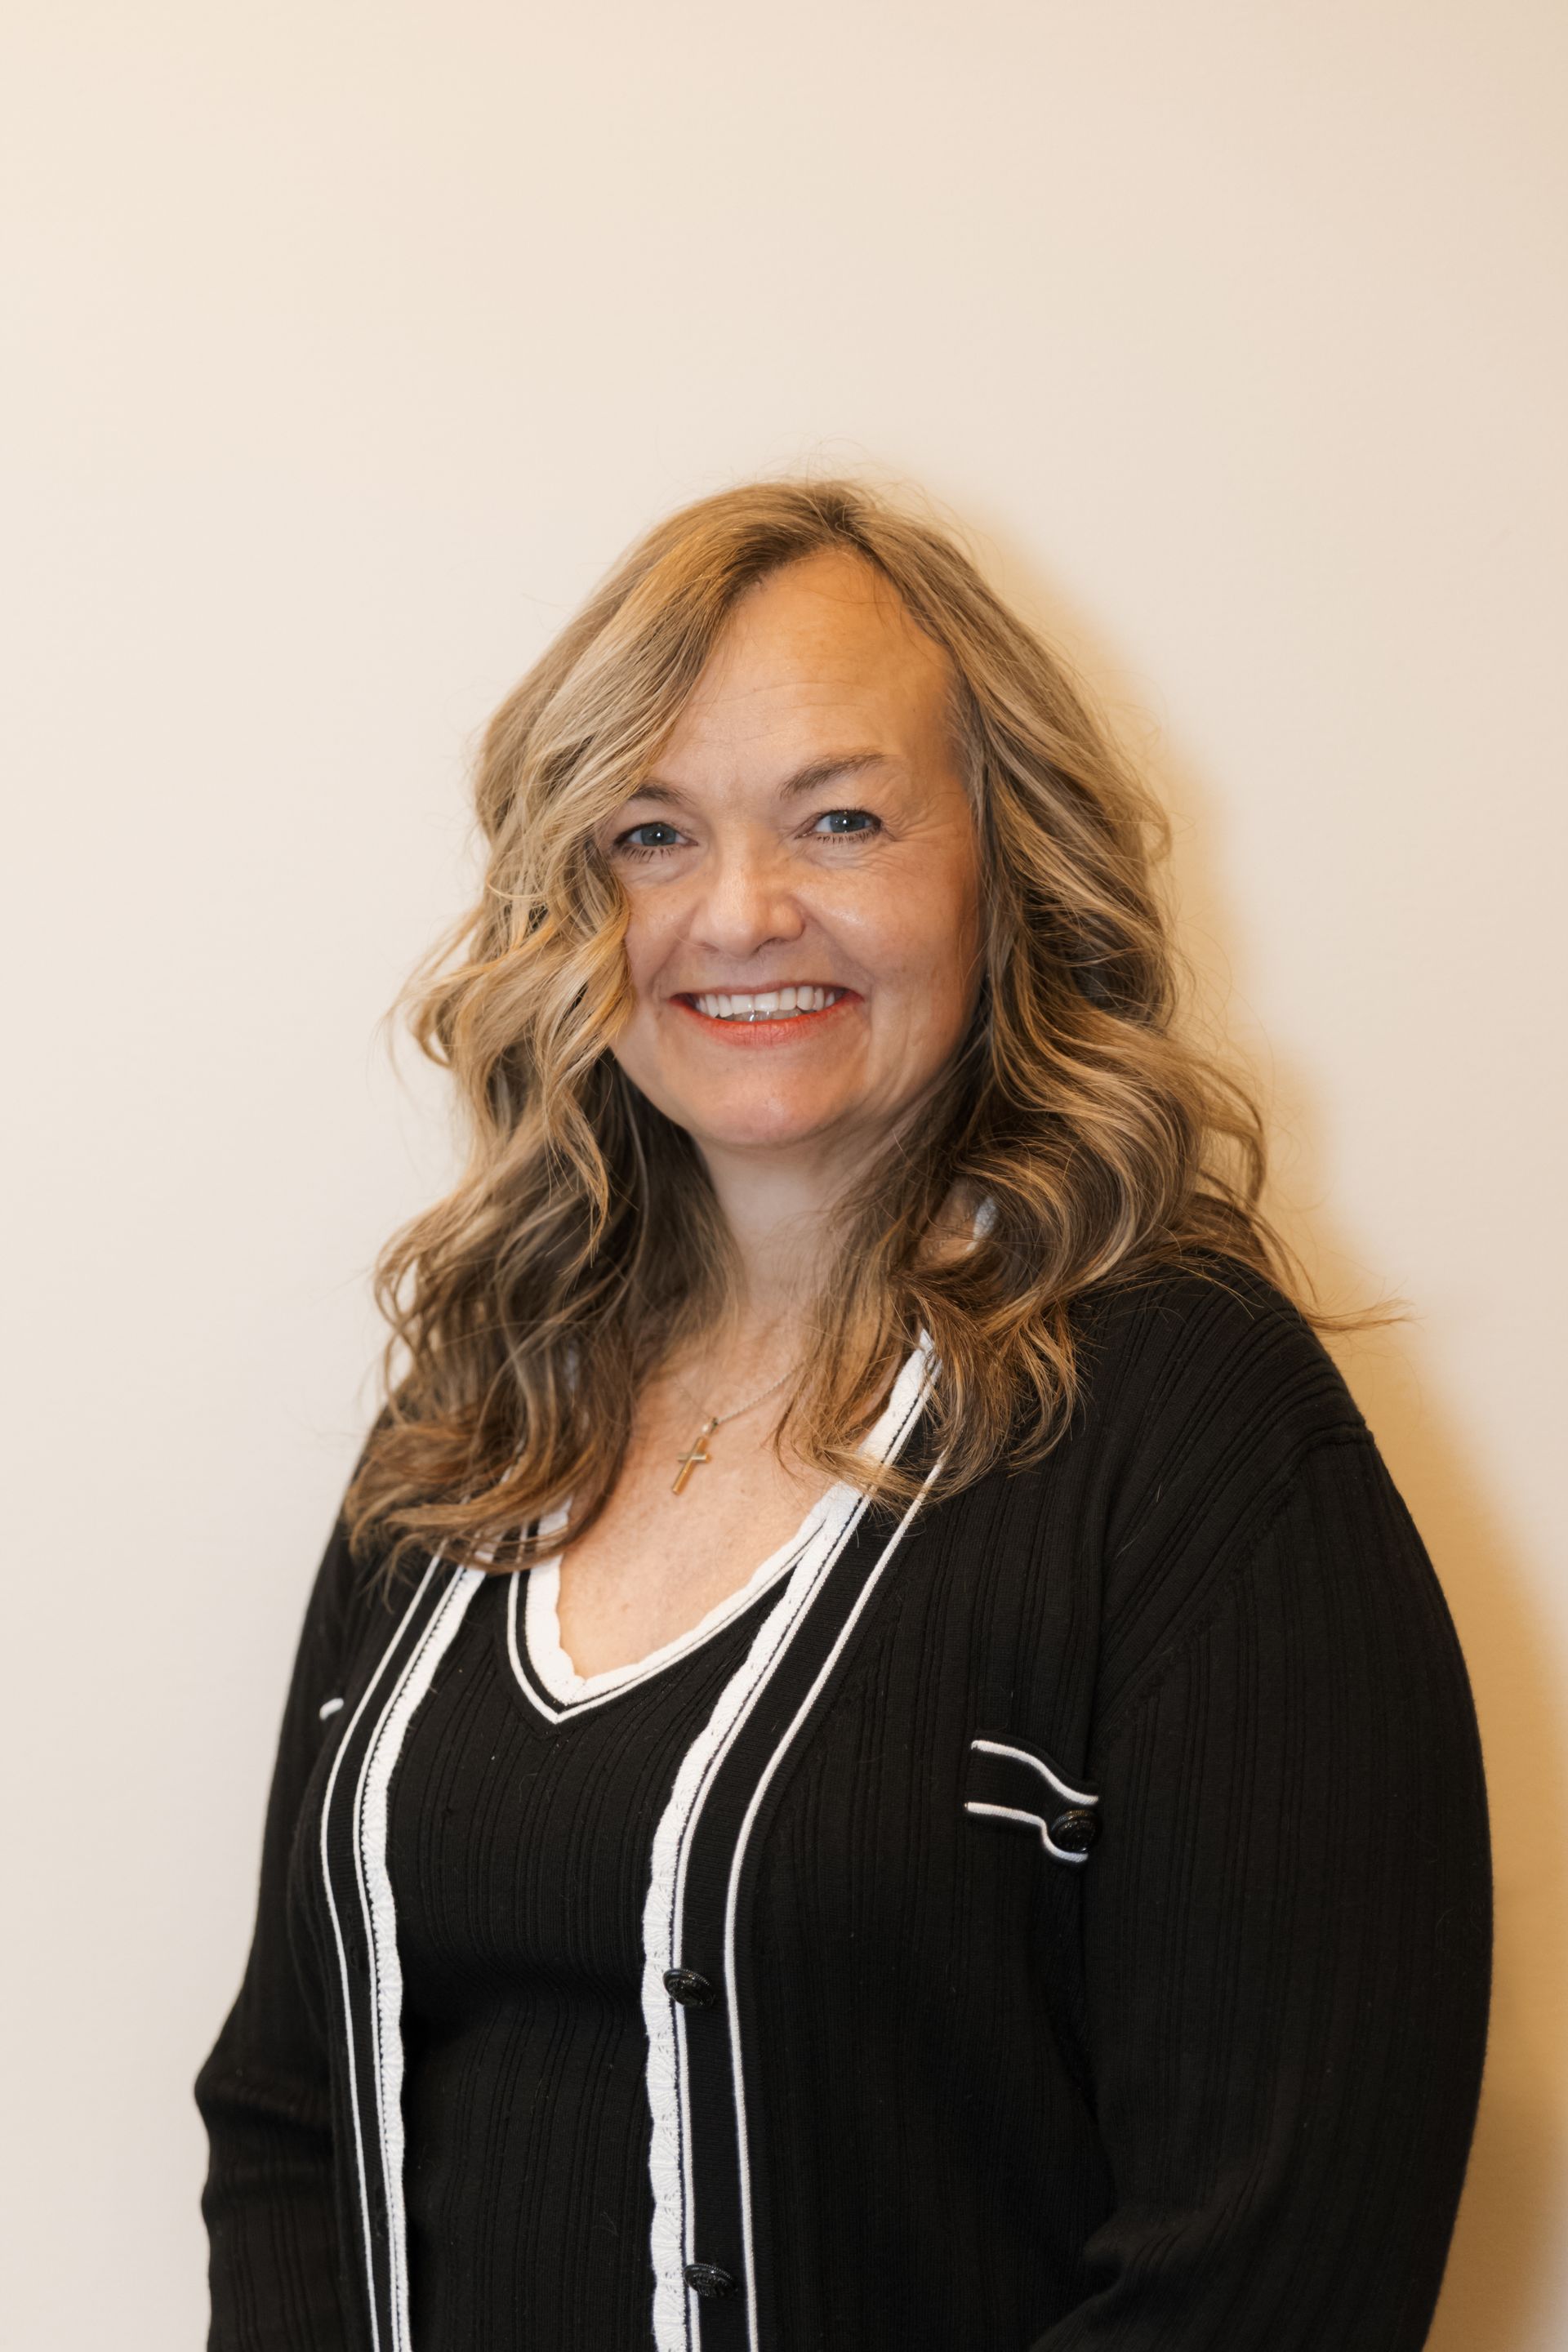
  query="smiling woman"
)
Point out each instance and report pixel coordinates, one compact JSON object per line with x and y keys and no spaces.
{"x":876,"y":1762}
{"x":792,"y":739}
{"x":763,"y":885}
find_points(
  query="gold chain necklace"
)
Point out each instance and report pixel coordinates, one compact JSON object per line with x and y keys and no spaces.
{"x":694,"y":1455}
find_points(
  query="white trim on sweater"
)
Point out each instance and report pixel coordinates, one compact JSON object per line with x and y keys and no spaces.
{"x":369,"y":1824}
{"x":675,"y":2324}
{"x":539,"y":1631}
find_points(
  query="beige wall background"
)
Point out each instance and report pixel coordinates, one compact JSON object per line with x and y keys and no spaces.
{"x":347,"y":345}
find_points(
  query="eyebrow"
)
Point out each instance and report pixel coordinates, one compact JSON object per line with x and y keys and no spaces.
{"x":808,"y":779}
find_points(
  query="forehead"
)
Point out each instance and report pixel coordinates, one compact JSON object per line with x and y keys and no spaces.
{"x":826,"y":643}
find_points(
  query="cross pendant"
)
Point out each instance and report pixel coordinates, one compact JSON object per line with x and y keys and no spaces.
{"x":688,"y":1462}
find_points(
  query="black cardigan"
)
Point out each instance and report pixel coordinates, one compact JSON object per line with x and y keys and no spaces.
{"x":1079,"y":1915}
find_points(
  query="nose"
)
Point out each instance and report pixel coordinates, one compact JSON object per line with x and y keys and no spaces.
{"x":744,"y":901}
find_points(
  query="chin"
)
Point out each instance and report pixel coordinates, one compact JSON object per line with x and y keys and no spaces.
{"x":770,"y":1125}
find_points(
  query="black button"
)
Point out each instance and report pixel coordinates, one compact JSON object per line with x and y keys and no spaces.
{"x":707,"y":2278}
{"x":1075,"y":1832}
{"x":691,"y":1991}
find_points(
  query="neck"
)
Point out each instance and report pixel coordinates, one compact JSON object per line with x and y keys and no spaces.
{"x":780,"y":1216}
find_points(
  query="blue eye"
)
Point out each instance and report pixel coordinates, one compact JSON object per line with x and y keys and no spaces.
{"x":839,"y":822}
{"x":641,"y":837}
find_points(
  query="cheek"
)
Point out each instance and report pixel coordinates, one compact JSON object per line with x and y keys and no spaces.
{"x":647,"y":941}
{"x":922,"y":946}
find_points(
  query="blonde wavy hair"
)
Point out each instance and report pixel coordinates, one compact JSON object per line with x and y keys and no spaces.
{"x":582,"y":1241}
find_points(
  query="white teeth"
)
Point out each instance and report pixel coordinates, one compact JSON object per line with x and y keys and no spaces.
{"x":766,"y":1004}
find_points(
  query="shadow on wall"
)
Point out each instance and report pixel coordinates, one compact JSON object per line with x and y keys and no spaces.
{"x":1498,"y":2283}
{"x":1496,"y":2287}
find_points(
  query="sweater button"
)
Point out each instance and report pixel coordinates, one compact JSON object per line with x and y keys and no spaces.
{"x":1075,"y":1832}
{"x":708,"y":2279}
{"x":691,"y":1991}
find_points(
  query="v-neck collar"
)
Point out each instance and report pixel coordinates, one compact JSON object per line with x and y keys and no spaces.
{"x":539,"y":1661}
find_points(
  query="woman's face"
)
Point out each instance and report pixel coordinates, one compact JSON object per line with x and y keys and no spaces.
{"x":802,"y":877}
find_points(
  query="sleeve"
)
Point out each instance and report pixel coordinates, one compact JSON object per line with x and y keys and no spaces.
{"x":1288,"y":1946}
{"x":264,"y":2091}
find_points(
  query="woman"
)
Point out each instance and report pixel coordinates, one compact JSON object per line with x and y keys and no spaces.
{"x":876,"y":1762}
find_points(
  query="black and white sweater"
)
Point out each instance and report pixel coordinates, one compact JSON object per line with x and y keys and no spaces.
{"x":1052,"y":1920}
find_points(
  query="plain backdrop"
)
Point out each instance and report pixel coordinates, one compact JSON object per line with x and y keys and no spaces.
{"x":346,"y":346}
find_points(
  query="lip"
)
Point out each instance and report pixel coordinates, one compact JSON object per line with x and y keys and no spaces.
{"x":748,"y":1035}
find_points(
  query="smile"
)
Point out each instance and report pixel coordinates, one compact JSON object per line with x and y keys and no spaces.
{"x":766,"y":1004}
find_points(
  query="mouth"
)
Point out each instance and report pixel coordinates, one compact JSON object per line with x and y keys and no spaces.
{"x":771,"y":1012}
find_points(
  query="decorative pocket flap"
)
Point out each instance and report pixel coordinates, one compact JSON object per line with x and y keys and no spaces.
{"x":1009,"y":1782}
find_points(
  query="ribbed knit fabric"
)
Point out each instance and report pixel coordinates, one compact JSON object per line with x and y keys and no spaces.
{"x":519,"y":1851}
{"x":1088,"y":1885}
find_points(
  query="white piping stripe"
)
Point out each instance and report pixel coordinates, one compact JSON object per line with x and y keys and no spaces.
{"x":1011,"y":1813}
{"x":670,"y":2151}
{"x":775,"y":1567}
{"x":1022,"y":1756}
{"x":338,"y":1940}
{"x":381,"y":1917}
{"x":356,"y":1839}
{"x":803,"y":1586}
{"x":731,"y":1899}
{"x":903,"y":1409}
{"x":550,"y":1714}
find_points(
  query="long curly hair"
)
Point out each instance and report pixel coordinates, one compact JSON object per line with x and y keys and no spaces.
{"x":582,"y":1241}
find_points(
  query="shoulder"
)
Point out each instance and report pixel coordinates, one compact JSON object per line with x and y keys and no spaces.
{"x":362,"y":1591}
{"x":1210,"y":1360}
{"x":1204,"y":1393}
